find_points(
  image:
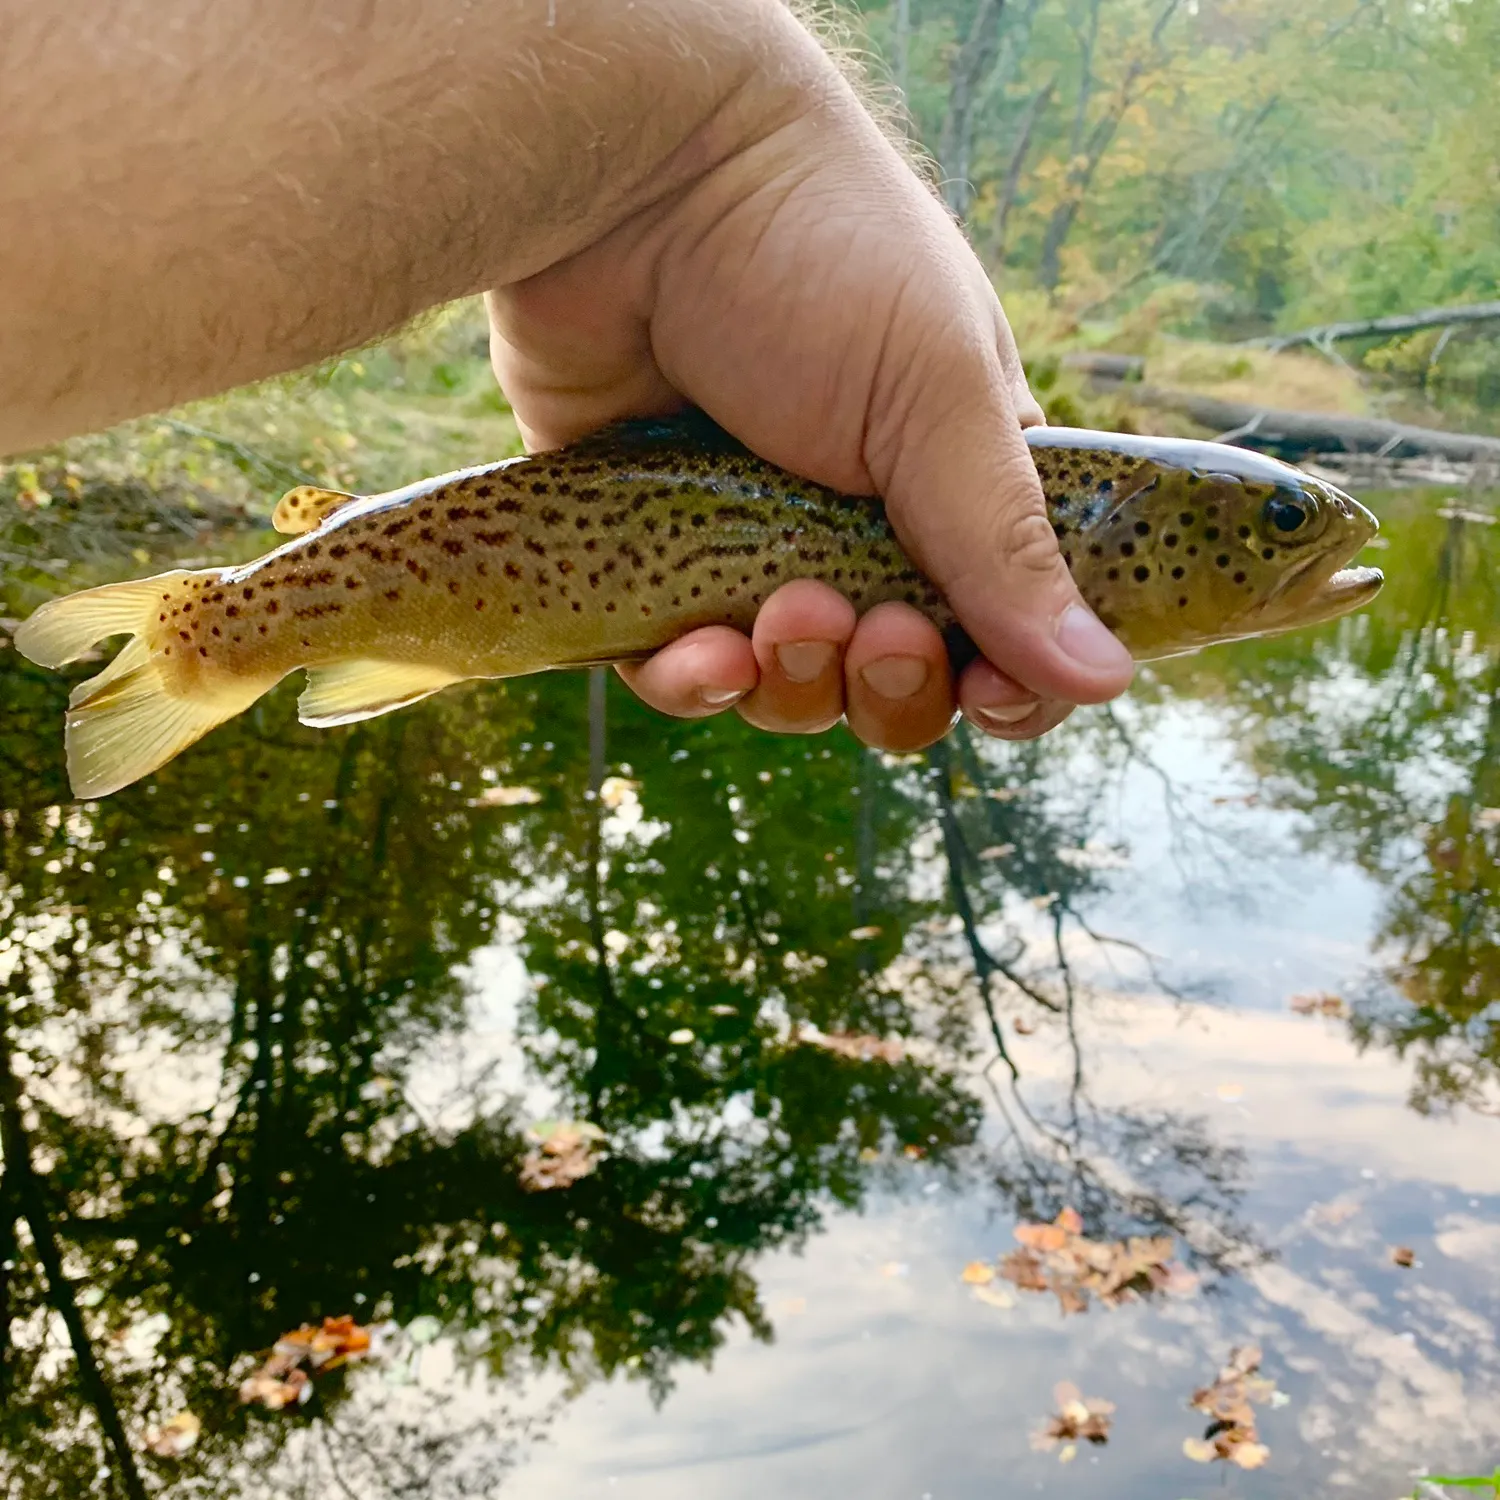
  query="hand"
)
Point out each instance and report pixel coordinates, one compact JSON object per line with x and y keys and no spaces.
{"x":809,"y":293}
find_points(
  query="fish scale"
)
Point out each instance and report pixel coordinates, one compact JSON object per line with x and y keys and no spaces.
{"x":609,"y":549}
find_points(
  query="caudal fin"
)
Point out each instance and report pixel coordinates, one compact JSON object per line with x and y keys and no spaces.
{"x":126,"y":722}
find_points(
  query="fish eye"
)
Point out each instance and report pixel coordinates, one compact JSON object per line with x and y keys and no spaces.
{"x":1287,"y":516}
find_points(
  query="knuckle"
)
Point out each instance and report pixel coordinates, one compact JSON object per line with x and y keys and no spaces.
{"x":1027,"y":541}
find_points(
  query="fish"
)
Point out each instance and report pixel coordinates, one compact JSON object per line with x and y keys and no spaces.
{"x":608,"y":549}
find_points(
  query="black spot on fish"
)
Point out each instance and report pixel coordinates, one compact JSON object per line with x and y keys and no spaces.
{"x":1211,"y":534}
{"x":1127,"y":549}
{"x":1178,"y":572}
{"x":1142,"y":572}
{"x":1244,"y":532}
{"x":1143,"y":528}
{"x":1186,"y":518}
{"x":1113,"y":574}
{"x":1239,"y":577}
{"x":1268,"y":553}
{"x":1222,"y":560}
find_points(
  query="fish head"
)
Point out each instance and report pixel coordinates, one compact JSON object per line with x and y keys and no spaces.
{"x":1207,"y":543}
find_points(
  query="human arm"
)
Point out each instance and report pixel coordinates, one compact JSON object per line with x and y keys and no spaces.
{"x":667,"y":200}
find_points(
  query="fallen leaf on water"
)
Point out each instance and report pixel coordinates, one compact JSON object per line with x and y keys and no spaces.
{"x":1094,"y":856}
{"x":506,"y":796}
{"x":723,"y":1010}
{"x":614,"y":790}
{"x":1335,"y":1212}
{"x":997,"y":851}
{"x":567,"y":1151}
{"x":1229,"y":1404}
{"x":1403,"y":1255}
{"x":977,"y":1272}
{"x":859,"y":1048}
{"x":864,"y":934}
{"x":1319,"y":1003}
{"x":1078,"y":1418}
{"x":868,"y":1154}
{"x":175,"y":1436}
{"x":1058,"y":1258}
{"x":993,"y":1296}
{"x":282,"y":1379}
{"x":1243,"y":799}
{"x":914,"y":1153}
{"x":1022,"y":1026}
{"x":1003,"y":793}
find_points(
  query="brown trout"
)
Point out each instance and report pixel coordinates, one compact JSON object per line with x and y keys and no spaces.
{"x":608,"y":549}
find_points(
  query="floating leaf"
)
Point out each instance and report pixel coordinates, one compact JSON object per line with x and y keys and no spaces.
{"x":978,"y":1272}
{"x":1232,"y":1435}
{"x":1319,"y":1003}
{"x":567,"y":1151}
{"x":1058,"y":1258}
{"x":865,"y":934}
{"x":859,"y":1048}
{"x":1079,"y":1418}
{"x":1403,"y":1255}
{"x":997,"y":851}
{"x":175,"y":1436}
{"x":282,"y":1379}
{"x":993,"y":1296}
{"x":506,"y":796}
{"x":616,"y":790}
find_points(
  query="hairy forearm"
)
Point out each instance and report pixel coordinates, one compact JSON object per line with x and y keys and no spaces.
{"x":198,"y":193}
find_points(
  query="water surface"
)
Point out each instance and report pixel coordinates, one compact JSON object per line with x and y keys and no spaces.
{"x":280,"y":1018}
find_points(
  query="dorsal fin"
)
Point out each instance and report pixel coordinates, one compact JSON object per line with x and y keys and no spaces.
{"x":307,"y":506}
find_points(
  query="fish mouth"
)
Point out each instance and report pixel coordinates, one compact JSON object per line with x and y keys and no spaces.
{"x":1319,"y":591}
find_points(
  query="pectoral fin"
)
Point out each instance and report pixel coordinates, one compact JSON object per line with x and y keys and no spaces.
{"x":354,"y":690}
{"x":307,"y":507}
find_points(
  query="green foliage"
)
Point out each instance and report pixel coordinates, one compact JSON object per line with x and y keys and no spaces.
{"x":1297,"y":163}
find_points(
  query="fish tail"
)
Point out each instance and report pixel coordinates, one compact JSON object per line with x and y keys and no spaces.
{"x":127,"y":721}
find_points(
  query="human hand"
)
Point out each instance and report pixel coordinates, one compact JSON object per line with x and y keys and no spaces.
{"x":808,"y":292}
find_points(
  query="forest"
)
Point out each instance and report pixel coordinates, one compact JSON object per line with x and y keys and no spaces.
{"x":1218,"y":169}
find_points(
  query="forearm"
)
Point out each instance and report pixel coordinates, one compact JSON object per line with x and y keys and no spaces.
{"x":199,"y":194}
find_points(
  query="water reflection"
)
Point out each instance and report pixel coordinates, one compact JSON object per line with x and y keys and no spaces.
{"x":229,"y":989}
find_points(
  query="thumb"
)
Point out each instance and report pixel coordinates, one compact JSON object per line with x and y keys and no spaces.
{"x":946,"y":450}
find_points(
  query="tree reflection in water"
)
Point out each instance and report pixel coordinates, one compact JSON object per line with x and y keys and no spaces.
{"x":223,"y":988}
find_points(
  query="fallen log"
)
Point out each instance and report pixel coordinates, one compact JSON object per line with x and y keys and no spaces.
{"x":1300,"y":434}
{"x":1431,"y":317}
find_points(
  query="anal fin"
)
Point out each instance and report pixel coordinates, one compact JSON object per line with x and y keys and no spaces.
{"x":307,"y":507}
{"x":349,"y":691}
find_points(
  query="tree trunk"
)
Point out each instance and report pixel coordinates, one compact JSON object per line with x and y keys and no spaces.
{"x":1301,"y":434}
{"x":1413,"y":322}
{"x":966,"y":75}
{"x":1036,"y":106}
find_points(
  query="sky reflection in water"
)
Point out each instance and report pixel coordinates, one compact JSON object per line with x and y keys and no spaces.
{"x":279,"y":1021}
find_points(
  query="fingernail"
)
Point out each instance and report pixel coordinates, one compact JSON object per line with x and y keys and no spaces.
{"x":719,"y":697}
{"x":1086,"y":639}
{"x":805,"y":661}
{"x":896,"y":676}
{"x":1003,"y":715}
